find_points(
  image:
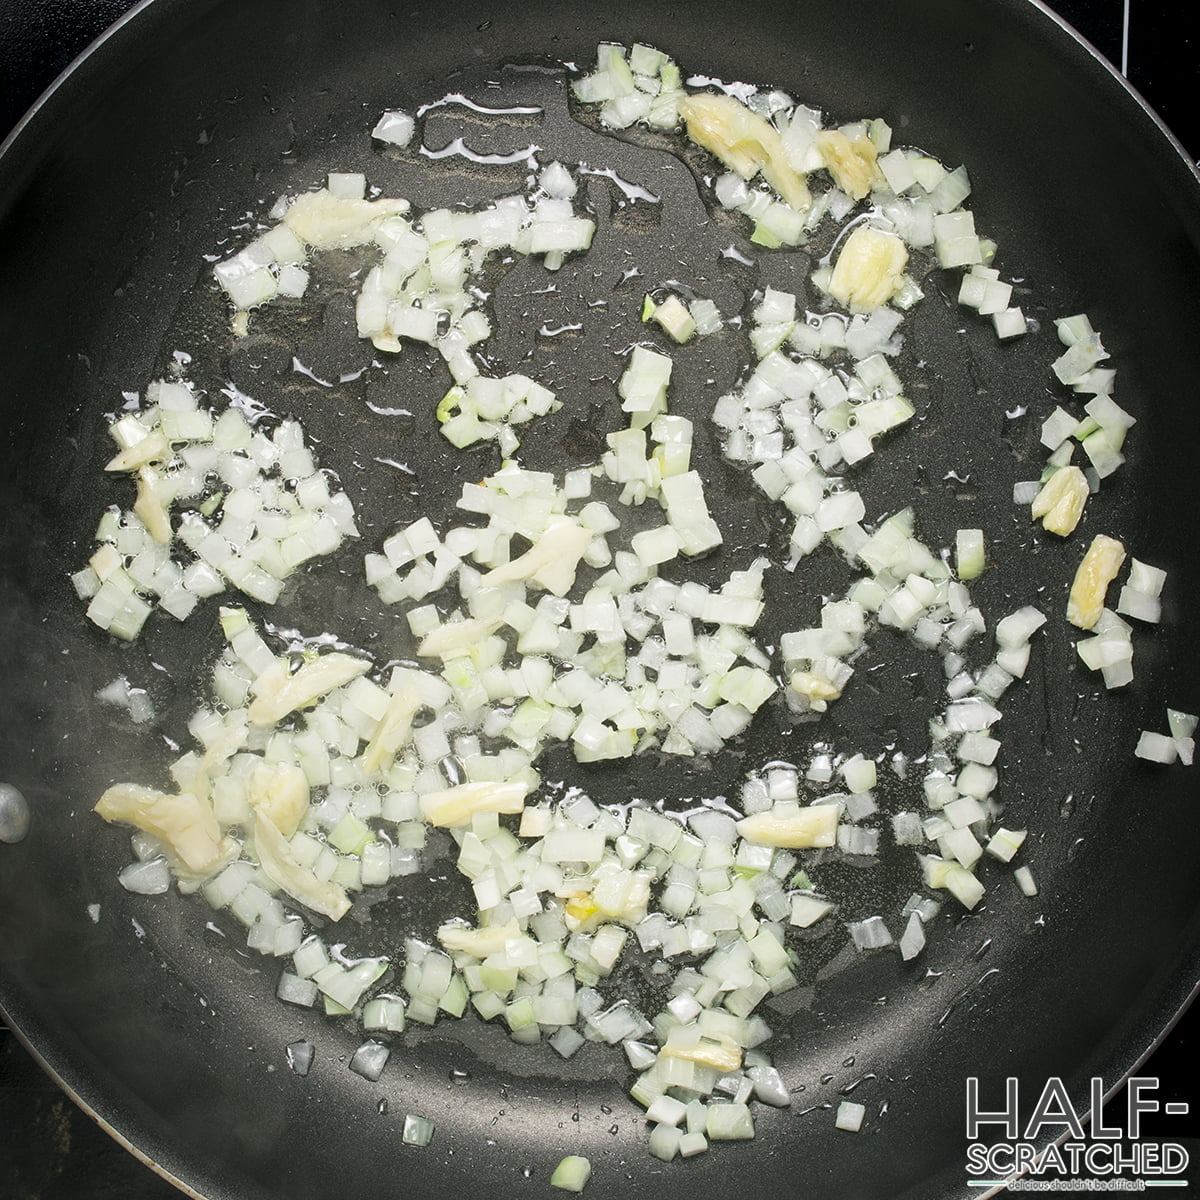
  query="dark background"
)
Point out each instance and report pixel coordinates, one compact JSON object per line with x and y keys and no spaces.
{"x":49,"y":1150}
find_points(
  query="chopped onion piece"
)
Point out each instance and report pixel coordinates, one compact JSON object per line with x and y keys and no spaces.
{"x":969,"y":553}
{"x":300,"y":1056}
{"x":850,"y":1116}
{"x":1181,"y":724}
{"x":571,"y":1174}
{"x":728,"y":1122}
{"x":1005,"y":843}
{"x":870,"y":934}
{"x":1146,"y":579}
{"x":149,"y":878}
{"x":1024,"y":878}
{"x":1156,"y":747}
{"x":369,"y":1060}
{"x":395,"y":127}
{"x":417,"y":1131}
{"x":912,"y":940}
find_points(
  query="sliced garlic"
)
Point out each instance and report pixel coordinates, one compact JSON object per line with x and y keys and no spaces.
{"x":153,"y":504}
{"x":394,"y":728}
{"x":745,"y":142}
{"x":326,"y":222}
{"x":818,"y":690}
{"x":457,"y":805}
{"x":724,"y":1055}
{"x":152,"y":448}
{"x":282,"y":869}
{"x":456,"y":637}
{"x":798,"y":829}
{"x":851,"y":163}
{"x":277,"y":692}
{"x":1060,"y":502}
{"x":869,"y":269}
{"x":185,"y":824}
{"x":457,"y":937}
{"x":1097,"y":570}
{"x":617,"y":894}
{"x":280,"y":792}
{"x":551,"y":562}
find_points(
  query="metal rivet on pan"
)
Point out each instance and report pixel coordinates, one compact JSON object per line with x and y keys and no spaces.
{"x":14,"y":814}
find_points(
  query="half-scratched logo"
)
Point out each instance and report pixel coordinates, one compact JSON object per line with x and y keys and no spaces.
{"x":1039,"y":1143}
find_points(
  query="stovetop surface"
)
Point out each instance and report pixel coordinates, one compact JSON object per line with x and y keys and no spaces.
{"x":49,"y":1149}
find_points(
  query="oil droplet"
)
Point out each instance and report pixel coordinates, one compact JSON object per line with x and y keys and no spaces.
{"x":457,"y":98}
{"x":827,"y":1078}
{"x":14,"y":814}
{"x":460,"y":1077}
{"x":850,"y":1087}
{"x":631,"y":191}
{"x":458,"y":147}
{"x":848,"y":1062}
{"x":816,"y":1108}
{"x":382,"y":1106}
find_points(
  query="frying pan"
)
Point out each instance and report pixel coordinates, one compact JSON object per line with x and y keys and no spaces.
{"x":196,"y":112}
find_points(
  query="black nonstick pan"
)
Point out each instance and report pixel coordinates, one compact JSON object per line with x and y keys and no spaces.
{"x":192,"y":114}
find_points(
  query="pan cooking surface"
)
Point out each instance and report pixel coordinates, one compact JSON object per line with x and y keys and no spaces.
{"x":168,"y":1027}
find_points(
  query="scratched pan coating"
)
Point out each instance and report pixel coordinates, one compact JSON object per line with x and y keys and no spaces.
{"x":193,"y":114}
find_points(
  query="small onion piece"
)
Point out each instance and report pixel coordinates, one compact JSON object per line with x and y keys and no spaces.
{"x":850,"y":1116}
{"x":571,"y":1174}
{"x":369,"y":1060}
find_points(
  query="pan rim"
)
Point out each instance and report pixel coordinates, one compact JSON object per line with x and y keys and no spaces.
{"x":1187,"y":982}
